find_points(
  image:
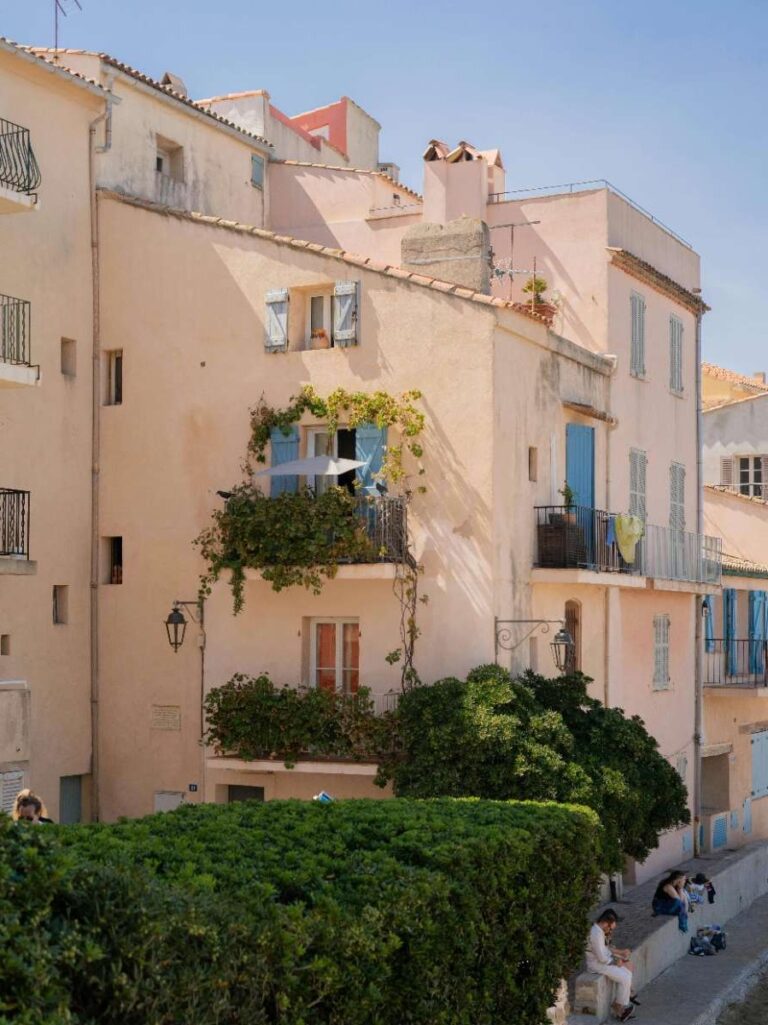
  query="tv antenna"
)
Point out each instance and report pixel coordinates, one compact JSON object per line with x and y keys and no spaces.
{"x":61,"y":7}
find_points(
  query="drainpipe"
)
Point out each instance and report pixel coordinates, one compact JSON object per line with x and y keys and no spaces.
{"x":106,"y":118}
{"x":610,"y":427}
{"x":698,"y":703}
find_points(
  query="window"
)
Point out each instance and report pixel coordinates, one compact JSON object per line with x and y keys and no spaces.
{"x":365,"y":443}
{"x":114,"y":378}
{"x":241,"y":793}
{"x":113,"y":558}
{"x":341,"y":445}
{"x":319,"y":333}
{"x":68,"y":357}
{"x":5,"y":644}
{"x":60,"y":604}
{"x":760,"y":763}
{"x":661,"y":652}
{"x":573,"y":626}
{"x":752,"y":472}
{"x":257,"y":171}
{"x":676,"y":355}
{"x":637,"y":352}
{"x":533,"y":463}
{"x":169,"y":159}
{"x":70,"y":800}
{"x":10,"y":784}
{"x":676,"y":497}
{"x":335,"y":655}
{"x":638,"y":462}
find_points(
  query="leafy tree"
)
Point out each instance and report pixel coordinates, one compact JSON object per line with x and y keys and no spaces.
{"x":537,"y":739}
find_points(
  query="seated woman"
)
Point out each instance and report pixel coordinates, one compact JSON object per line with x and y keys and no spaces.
{"x":670,"y":899}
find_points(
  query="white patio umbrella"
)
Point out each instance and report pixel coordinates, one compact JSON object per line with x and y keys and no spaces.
{"x":315,"y":466}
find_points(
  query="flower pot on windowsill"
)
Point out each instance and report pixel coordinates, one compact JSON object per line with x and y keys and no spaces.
{"x":319,"y":339}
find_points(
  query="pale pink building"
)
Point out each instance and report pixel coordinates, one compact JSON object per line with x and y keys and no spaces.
{"x":253,"y":217}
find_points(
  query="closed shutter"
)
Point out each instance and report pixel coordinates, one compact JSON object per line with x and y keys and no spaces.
{"x":729,"y":630}
{"x":10,"y":783}
{"x":345,"y":315}
{"x":677,"y":496}
{"x":726,"y":472}
{"x":276,"y":320}
{"x":661,"y":652}
{"x":285,"y":447}
{"x":637,"y":353}
{"x":675,"y":354}
{"x":757,"y":601}
{"x":760,"y":764}
{"x":370,"y":444}
{"x":638,"y":462}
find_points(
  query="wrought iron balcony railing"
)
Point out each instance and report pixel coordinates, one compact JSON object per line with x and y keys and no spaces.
{"x":386,"y":523}
{"x":18,"y":168}
{"x":15,"y":342}
{"x":735,"y":663}
{"x":14,"y":523}
{"x":579,"y":537}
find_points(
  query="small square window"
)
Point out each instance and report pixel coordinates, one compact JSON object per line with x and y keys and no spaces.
{"x":60,"y":604}
{"x":68,"y":357}
{"x":114,"y":396}
{"x":5,"y":644}
{"x":113,"y":560}
{"x":533,"y":463}
{"x":169,"y":159}
{"x":257,"y":171}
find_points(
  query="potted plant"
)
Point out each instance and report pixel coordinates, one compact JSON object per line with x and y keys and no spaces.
{"x":568,"y":499}
{"x":561,"y":541}
{"x":319,"y":339}
{"x":535,"y":287}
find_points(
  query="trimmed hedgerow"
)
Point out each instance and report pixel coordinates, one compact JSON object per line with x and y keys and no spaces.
{"x":356,"y":913}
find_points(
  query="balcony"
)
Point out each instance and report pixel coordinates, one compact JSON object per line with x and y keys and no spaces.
{"x":741,"y":663}
{"x":15,"y":350}
{"x":14,"y":532}
{"x":581,"y":538}
{"x":19,"y":172}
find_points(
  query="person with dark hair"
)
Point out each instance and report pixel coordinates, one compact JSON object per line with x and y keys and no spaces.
{"x":613,"y":963}
{"x":670,"y":898}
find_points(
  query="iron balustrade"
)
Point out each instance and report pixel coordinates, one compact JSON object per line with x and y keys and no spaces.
{"x":15,"y":321}
{"x":386,"y":524}
{"x":735,"y":663}
{"x":579,"y":537}
{"x":14,"y":523}
{"x":18,"y":167}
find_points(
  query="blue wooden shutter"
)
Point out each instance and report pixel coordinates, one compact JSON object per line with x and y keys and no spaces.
{"x":709,"y":624}
{"x":285,"y":447}
{"x":757,"y":600}
{"x":760,"y":764}
{"x":729,"y":629}
{"x":580,"y":463}
{"x":345,"y":313}
{"x":370,"y":443}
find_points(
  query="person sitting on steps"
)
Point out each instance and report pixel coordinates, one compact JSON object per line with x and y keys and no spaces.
{"x":613,"y":963}
{"x":670,"y":899}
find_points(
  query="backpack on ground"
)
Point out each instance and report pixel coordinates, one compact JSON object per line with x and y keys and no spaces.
{"x":700,"y":946}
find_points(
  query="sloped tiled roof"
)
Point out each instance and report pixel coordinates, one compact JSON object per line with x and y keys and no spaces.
{"x":732,"y":377}
{"x":363,"y":262}
{"x":167,"y":90}
{"x":34,"y":55}
{"x":734,"y":566}
{"x":356,"y":170}
{"x":643,"y":271}
{"x":723,"y":489}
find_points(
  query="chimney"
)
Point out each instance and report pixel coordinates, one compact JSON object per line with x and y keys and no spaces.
{"x":175,"y":83}
{"x":759,"y":375}
{"x":459,"y":251}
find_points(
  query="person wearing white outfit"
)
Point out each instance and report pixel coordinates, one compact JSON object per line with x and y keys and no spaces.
{"x":614,"y":964}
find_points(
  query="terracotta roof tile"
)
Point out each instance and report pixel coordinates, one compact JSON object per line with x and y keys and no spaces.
{"x":337,"y":254}
{"x":646,"y":272}
{"x":354,"y":170}
{"x":732,"y":377}
{"x":734,"y":565}
{"x":38,"y":56}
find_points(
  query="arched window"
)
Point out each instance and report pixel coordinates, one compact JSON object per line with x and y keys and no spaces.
{"x":573,"y":626}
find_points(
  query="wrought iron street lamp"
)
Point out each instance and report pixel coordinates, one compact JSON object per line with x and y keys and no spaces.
{"x":176,"y":623}
{"x":562,"y":647}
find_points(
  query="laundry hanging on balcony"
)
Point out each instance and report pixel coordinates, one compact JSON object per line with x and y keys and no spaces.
{"x":629,"y":530}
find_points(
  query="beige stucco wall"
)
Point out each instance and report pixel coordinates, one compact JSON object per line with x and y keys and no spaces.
{"x":738,"y":429}
{"x":45,"y":435}
{"x":741,"y":522}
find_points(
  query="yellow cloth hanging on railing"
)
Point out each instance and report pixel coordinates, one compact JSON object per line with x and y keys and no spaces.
{"x":629,"y":530}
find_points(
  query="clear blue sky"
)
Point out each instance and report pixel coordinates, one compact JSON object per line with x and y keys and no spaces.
{"x":667,"y":99}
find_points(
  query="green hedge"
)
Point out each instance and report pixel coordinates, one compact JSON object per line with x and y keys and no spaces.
{"x":356,"y":913}
{"x":250,"y":717}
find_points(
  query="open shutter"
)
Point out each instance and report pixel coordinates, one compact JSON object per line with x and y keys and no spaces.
{"x":708,"y":607}
{"x":276,"y":321}
{"x":729,"y":630}
{"x":285,"y":447}
{"x":726,"y":472}
{"x":370,"y":443}
{"x":637,"y":353}
{"x":345,"y":315}
{"x":760,"y":764}
{"x":756,"y":631}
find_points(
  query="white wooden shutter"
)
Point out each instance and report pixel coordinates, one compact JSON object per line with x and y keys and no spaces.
{"x":726,"y":472}
{"x":345,"y":313}
{"x":661,"y":652}
{"x":276,"y":320}
{"x":637,"y":353}
{"x":637,"y":473}
{"x":676,"y":496}
{"x":10,"y":784}
{"x":675,"y":354}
